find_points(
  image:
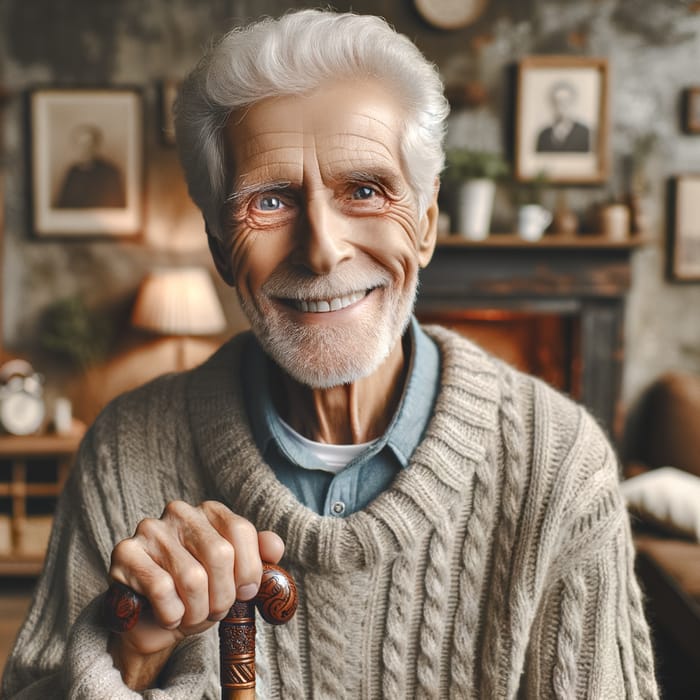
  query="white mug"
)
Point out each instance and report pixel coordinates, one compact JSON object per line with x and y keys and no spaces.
{"x":533,"y":219}
{"x":615,"y":222}
{"x":62,"y":415}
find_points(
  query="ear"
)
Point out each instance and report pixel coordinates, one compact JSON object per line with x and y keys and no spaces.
{"x":427,"y":234}
{"x":221,"y":258}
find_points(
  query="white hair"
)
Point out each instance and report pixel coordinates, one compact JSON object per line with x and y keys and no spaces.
{"x":293,"y":55}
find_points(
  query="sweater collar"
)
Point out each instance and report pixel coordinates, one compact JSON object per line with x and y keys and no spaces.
{"x":457,"y":438}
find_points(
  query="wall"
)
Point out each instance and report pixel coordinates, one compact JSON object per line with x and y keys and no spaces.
{"x":653,"y":47}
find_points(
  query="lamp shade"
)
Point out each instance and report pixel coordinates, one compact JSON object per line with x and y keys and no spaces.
{"x":179,"y":301}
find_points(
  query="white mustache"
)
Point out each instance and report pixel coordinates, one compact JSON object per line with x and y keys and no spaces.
{"x":292,"y":284}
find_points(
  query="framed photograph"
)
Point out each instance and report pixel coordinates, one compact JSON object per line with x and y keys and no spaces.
{"x":684,"y":241}
{"x":168,"y":93}
{"x":87,"y":162}
{"x":691,"y":110}
{"x":561,"y":121}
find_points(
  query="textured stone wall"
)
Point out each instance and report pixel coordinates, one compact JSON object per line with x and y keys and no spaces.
{"x":654,"y":52}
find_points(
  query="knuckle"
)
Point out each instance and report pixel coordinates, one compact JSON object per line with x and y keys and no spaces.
{"x":193,"y":580}
{"x":177,"y":509}
{"x":148,"y":528}
{"x":161,"y":590}
{"x":243,"y":528}
{"x":123,"y":551}
{"x":214,"y":506}
{"x":222,"y":553}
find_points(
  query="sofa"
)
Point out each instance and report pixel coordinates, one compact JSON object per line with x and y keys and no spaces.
{"x":662,"y":488}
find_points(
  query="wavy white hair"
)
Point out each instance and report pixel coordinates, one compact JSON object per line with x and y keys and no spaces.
{"x":293,"y":55}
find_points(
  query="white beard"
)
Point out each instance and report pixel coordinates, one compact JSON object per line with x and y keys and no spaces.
{"x":325,"y":356}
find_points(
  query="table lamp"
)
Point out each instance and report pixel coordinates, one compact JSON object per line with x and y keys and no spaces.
{"x":179,"y":302}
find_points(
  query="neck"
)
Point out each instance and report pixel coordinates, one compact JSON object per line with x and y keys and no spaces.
{"x":349,"y":413}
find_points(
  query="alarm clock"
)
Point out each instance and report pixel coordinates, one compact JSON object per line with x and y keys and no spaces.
{"x":22,"y":407}
{"x":450,"y":14}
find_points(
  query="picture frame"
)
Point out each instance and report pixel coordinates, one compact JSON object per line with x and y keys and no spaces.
{"x":691,"y":110}
{"x":86,"y":161}
{"x":684,"y":238}
{"x":561,"y":120}
{"x":168,"y":92}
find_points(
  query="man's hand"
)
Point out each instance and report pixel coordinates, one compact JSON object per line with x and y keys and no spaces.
{"x":192,"y":563}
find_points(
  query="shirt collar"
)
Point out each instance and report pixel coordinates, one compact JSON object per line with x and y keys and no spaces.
{"x":405,"y":430}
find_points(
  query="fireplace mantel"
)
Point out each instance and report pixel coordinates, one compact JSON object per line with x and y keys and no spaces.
{"x":586,"y":277}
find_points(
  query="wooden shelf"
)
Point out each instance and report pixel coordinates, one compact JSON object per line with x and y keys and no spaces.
{"x":21,"y":566}
{"x":33,"y":469}
{"x":512,"y":240}
{"x":39,"y":445}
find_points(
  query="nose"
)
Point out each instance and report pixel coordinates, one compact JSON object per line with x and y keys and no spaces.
{"x":323,"y":237}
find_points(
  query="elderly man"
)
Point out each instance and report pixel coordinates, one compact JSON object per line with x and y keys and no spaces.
{"x":454,"y":527}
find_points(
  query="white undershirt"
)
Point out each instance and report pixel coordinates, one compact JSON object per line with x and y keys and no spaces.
{"x":334,"y":457}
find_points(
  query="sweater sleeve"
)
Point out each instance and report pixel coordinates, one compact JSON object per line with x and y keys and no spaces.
{"x":590,"y":637}
{"x":61,"y":649}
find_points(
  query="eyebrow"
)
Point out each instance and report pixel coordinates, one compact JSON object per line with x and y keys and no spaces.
{"x":382,"y":176}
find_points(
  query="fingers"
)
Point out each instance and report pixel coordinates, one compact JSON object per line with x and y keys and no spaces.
{"x":135,"y":567}
{"x":271,"y":546}
{"x":158,"y":563}
{"x":241,"y":533}
{"x":193,"y":562}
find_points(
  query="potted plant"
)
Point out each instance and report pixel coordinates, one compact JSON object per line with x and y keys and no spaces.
{"x":472,"y":176}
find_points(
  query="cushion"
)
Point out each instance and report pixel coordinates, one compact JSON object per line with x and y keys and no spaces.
{"x":667,"y":497}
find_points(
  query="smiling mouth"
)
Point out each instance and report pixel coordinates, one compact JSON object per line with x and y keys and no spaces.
{"x":320,"y":306}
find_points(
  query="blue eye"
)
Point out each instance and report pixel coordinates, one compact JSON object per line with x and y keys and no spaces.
{"x":363,"y":192}
{"x":270,"y":203}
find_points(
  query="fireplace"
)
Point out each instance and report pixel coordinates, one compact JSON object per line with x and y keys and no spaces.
{"x":553,"y":308}
{"x":543,"y":344}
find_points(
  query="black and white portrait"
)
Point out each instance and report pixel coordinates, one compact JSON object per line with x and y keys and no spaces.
{"x":561,"y":119}
{"x":91,"y":180}
{"x":566,"y":133}
{"x":87,"y":162}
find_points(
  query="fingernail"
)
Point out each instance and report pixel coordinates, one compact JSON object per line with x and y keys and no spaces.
{"x":247,"y":591}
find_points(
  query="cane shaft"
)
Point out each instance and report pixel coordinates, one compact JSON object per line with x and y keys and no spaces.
{"x":237,"y":649}
{"x":244,"y":694}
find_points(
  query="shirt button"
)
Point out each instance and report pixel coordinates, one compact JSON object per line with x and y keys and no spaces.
{"x":338,"y":508}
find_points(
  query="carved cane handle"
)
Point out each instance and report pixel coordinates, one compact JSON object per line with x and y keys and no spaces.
{"x":276,"y":601}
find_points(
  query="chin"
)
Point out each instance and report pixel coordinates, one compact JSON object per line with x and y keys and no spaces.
{"x":323,"y":356}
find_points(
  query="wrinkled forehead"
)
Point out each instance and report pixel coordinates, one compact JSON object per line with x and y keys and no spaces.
{"x":351,"y":124}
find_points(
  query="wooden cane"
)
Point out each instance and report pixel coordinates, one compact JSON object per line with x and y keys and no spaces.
{"x":276,"y":601}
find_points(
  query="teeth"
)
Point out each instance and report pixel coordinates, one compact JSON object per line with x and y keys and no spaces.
{"x":324,"y":305}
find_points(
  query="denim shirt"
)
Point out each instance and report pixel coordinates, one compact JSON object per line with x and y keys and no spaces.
{"x":370,"y":472}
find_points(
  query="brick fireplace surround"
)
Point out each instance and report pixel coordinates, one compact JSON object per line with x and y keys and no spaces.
{"x":554,"y":308}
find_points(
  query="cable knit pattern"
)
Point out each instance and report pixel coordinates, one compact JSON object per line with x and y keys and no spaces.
{"x":476,"y":574}
{"x":471,"y":582}
{"x":497,"y":636}
{"x":397,"y":621}
{"x":434,"y":604}
{"x":573,"y":598}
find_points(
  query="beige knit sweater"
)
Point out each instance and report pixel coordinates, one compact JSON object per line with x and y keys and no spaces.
{"x":499,"y":564}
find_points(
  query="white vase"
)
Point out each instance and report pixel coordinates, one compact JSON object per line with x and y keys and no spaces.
{"x":473,"y":208}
